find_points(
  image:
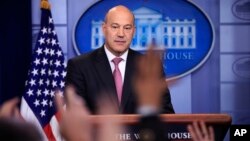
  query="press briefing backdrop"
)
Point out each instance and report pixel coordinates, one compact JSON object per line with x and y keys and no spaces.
{"x":219,"y":85}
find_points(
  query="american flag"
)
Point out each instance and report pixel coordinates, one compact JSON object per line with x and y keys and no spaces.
{"x":45,"y":76}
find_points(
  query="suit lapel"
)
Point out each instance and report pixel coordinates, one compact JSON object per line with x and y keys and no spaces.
{"x":127,"y":86}
{"x":104,"y":71}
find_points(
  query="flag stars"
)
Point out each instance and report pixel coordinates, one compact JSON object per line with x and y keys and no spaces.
{"x":52,"y":52}
{"x":49,"y":30}
{"x":53,"y":42}
{"x":54,"y":84}
{"x":56,"y":74}
{"x":39,"y":92}
{"x":57,"y":63}
{"x":43,"y":72}
{"x":65,"y":64}
{"x":37,"y":102}
{"x":59,"y":53}
{"x":51,"y":62}
{"x":49,"y":72}
{"x":45,"y":61}
{"x":63,"y":74}
{"x":40,"y":82}
{"x":44,"y":30}
{"x":45,"y":76}
{"x":37,"y":61}
{"x":46,"y":92}
{"x":54,"y":32}
{"x":34,"y":72}
{"x":41,"y":40}
{"x":26,"y":82}
{"x":48,"y":41}
{"x":32,"y":82}
{"x":44,"y":102}
{"x":52,"y":93}
{"x":50,"y":20}
{"x":50,"y":103}
{"x":42,"y":113}
{"x":30,"y":92}
{"x":62,"y":84}
{"x":46,"y":51}
{"x":39,"y":51}
{"x":47,"y":82}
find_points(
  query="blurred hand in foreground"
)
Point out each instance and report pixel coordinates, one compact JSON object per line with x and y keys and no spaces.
{"x":149,"y":83}
{"x":76,"y":124}
{"x":200,"y":132}
{"x":9,"y":109}
{"x":109,"y":128}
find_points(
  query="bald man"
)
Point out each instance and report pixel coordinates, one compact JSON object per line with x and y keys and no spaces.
{"x":109,"y":70}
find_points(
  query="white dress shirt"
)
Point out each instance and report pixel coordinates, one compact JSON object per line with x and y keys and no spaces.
{"x":121,"y":65}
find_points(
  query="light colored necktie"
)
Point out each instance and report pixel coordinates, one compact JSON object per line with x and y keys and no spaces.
{"x":118,"y":78}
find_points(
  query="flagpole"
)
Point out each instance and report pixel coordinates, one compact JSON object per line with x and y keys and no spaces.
{"x":45,"y":4}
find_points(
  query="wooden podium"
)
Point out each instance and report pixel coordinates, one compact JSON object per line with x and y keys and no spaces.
{"x":175,"y":124}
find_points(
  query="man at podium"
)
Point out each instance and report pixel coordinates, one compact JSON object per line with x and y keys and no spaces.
{"x":109,"y":71}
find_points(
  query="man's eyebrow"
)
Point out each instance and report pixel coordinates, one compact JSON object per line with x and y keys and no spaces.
{"x":128,"y":25}
{"x":120,"y":25}
{"x":114,"y":24}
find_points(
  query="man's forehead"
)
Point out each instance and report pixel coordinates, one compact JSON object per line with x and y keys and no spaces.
{"x":119,"y":9}
{"x":119,"y":13}
{"x":121,"y":20}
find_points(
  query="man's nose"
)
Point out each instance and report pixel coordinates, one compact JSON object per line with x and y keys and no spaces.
{"x":120,"y":32}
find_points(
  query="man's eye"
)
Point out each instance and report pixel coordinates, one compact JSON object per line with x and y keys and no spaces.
{"x":128,"y":28}
{"x":114,"y":27}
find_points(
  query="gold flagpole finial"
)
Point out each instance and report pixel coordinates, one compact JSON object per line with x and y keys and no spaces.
{"x":45,"y":4}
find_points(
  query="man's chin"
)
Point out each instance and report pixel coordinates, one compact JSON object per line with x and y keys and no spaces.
{"x":120,"y":52}
{"x":120,"y":44}
{"x":121,"y":48}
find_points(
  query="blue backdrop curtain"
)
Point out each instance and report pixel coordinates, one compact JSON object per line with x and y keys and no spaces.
{"x":15,"y":45}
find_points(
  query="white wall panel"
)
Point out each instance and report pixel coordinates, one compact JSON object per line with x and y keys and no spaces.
{"x":235,"y":97}
{"x":235,"y":39}
{"x":181,"y":94}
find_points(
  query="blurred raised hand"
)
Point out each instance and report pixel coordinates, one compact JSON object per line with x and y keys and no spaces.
{"x":149,"y":83}
{"x":9,"y":109}
{"x":109,"y":129}
{"x":74,"y":123}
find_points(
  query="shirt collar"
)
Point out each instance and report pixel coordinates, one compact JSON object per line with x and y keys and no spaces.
{"x":112,"y":56}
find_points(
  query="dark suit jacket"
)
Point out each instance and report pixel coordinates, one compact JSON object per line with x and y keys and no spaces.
{"x":92,"y":77}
